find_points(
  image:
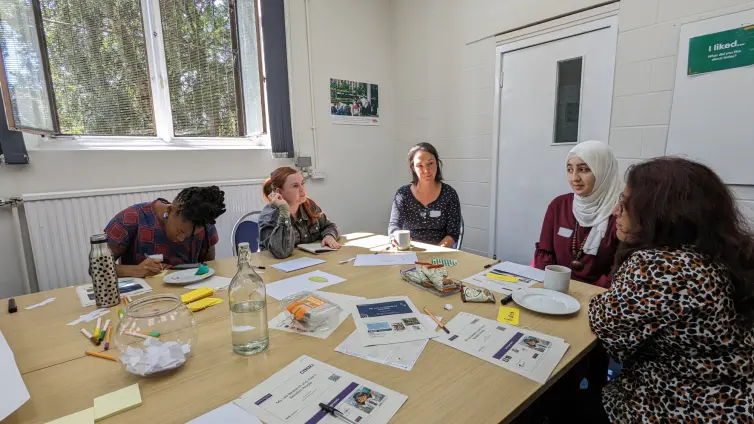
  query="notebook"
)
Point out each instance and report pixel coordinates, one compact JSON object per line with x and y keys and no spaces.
{"x":315,"y":248}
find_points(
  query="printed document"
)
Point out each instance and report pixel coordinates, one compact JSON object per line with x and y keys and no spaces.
{"x":389,"y":320}
{"x":284,"y":322}
{"x":293,"y":394}
{"x":505,"y":272}
{"x":525,"y":352}
{"x":398,"y":355}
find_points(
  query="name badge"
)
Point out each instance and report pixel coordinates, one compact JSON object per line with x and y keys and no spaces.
{"x":565,"y":232}
{"x":435,"y":214}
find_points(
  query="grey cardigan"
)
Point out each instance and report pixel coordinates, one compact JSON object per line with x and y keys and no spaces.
{"x":280,"y":233}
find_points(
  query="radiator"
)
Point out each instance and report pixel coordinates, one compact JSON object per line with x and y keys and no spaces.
{"x":60,"y":224}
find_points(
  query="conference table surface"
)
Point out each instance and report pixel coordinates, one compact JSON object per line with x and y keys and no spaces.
{"x":445,"y":384}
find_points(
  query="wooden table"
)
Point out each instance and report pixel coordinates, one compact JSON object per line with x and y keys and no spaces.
{"x":62,"y":379}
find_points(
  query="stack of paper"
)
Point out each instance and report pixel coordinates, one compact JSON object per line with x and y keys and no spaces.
{"x":293,"y":394}
{"x":312,"y":281}
{"x":528,"y":353}
{"x":13,"y":391}
{"x":506,"y":277}
{"x":283,"y":321}
{"x":398,"y":355}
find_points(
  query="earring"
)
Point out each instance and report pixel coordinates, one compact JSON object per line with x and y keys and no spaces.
{"x":165,"y":215}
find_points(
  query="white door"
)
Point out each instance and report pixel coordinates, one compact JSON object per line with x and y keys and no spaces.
{"x":556,"y":90}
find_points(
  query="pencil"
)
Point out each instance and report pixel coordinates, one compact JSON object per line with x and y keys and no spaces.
{"x":101,"y":355}
{"x":126,"y":300}
{"x":107,"y":338}
{"x":437,"y":321}
{"x":492,"y":264}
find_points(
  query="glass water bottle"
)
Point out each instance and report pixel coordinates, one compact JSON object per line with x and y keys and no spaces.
{"x":247,"y":298}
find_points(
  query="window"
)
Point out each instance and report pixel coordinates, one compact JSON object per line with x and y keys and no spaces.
{"x":135,"y":68}
{"x":568,"y":101}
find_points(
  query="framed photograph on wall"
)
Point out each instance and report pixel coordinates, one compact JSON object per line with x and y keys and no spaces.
{"x":354,"y":103}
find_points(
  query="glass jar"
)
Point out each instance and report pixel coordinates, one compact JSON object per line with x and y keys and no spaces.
{"x":157,"y":333}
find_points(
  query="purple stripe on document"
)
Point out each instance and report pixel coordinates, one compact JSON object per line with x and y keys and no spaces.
{"x":507,"y":346}
{"x":264,"y":398}
{"x":336,"y":400}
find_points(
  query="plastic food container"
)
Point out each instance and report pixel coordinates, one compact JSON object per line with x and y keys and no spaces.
{"x":311,"y":311}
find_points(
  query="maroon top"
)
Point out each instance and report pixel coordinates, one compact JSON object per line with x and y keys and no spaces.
{"x":556,"y":241}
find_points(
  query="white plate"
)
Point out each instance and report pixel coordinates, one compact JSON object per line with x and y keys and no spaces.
{"x":187,"y":276}
{"x":546,"y":301}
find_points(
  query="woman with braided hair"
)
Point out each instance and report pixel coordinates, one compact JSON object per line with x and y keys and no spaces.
{"x":182,"y":232}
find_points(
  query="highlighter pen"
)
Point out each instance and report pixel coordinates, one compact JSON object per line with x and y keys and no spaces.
{"x":107,"y":338}
{"x":104,"y":330}
{"x":97,"y":328}
{"x":120,"y":313}
{"x":89,"y":336}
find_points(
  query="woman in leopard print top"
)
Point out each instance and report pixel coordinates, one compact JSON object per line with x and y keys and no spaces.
{"x":679,"y":312}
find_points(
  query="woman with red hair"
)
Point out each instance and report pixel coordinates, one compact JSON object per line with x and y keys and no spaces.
{"x":291,"y":218}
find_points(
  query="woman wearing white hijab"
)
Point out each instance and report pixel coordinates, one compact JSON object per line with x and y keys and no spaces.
{"x":579,"y":230}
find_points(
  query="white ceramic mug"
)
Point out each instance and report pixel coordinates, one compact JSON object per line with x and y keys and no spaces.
{"x":402,"y":239}
{"x":557,"y":278}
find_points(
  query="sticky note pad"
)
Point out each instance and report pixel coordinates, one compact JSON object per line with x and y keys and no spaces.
{"x":499,"y":277}
{"x":116,"y":402}
{"x":82,"y":417}
{"x":197,"y":294}
{"x":508,"y":315}
{"x":204,"y":303}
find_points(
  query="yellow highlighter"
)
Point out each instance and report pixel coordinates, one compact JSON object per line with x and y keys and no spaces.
{"x":197,"y":294}
{"x":501,"y":277}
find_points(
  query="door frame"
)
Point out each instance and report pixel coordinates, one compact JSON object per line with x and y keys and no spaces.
{"x":571,"y":29}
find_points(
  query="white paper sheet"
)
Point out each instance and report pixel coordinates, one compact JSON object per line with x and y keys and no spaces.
{"x":13,"y":392}
{"x":311,"y":281}
{"x":296,"y":264}
{"x":528,"y":353}
{"x":42,"y":303}
{"x":398,"y":355}
{"x":293,"y":394}
{"x":214,"y":282}
{"x":315,"y":248}
{"x":226,"y":414}
{"x":128,"y":287}
{"x":386,"y":259}
{"x":389,"y":320}
{"x":370,"y":242}
{"x":503,"y":287}
{"x":91,"y":316}
{"x":282,"y":321}
{"x":521,"y":270}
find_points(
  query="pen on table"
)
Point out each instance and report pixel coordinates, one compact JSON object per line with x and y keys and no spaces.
{"x":437,"y":321}
{"x":347,"y":261}
{"x":383,"y":250}
{"x":259,"y":267}
{"x":104,"y":330}
{"x":101,"y":355}
{"x":492,"y":264}
{"x":107,"y":338}
{"x":97,"y":328}
{"x":507,"y":299}
{"x":89,"y":336}
{"x":334,"y":412}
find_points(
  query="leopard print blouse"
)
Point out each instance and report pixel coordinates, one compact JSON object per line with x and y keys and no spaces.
{"x":669,"y":316}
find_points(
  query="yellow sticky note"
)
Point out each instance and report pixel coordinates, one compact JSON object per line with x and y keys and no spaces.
{"x":82,"y":417}
{"x":204,"y":303}
{"x":508,"y":315}
{"x":507,"y":278}
{"x":116,"y":402}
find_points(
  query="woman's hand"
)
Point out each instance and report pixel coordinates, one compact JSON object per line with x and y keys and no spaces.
{"x":147,"y":268}
{"x":276,"y":199}
{"x":329,"y":241}
{"x":447,"y":242}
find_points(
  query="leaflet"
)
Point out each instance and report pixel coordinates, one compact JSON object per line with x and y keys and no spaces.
{"x":522,"y":274}
{"x":389,"y":320}
{"x":293,"y":394}
{"x":525,"y":352}
{"x":284,"y":322}
{"x":398,"y":355}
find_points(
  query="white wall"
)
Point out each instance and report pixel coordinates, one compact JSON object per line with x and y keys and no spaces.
{"x":645,"y":76}
{"x":356,"y":159}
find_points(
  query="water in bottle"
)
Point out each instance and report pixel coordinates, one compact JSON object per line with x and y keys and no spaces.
{"x":248,"y":307}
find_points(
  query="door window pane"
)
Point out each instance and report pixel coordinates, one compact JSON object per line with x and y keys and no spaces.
{"x":568,"y":102}
{"x":98,"y":62}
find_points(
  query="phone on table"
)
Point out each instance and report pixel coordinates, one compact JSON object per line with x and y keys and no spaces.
{"x":186,"y":266}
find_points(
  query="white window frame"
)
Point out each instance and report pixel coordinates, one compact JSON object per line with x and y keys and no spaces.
{"x":161,"y":107}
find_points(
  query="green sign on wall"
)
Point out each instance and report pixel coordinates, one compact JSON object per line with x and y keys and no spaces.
{"x":722,"y":50}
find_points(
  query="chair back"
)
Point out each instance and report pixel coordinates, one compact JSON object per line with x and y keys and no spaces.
{"x":459,"y":243}
{"x":246,"y":230}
